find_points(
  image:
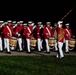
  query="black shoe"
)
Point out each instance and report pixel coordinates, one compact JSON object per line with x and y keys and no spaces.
{"x":29,"y":52}
{"x":8,"y":52}
{"x":39,"y":51}
{"x":5,"y":49}
{"x":61,"y":57}
{"x":67,"y":52}
{"x":21,"y":51}
{"x":47,"y":52}
{"x":1,"y":51}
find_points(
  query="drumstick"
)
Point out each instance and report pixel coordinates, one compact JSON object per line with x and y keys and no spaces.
{"x":68,"y":13}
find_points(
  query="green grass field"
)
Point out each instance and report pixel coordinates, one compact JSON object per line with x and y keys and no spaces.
{"x":37,"y":65}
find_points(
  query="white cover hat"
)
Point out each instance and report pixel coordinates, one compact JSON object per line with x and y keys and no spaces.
{"x":9,"y":21}
{"x":60,"y":22}
{"x":48,"y":22}
{"x":39,"y":23}
{"x":20,"y":21}
{"x":67,"y":24}
{"x":14,"y":22}
{"x":29,"y":22}
{"x":1,"y":21}
{"x":25,"y":24}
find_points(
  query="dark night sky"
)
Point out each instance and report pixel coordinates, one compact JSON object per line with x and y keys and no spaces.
{"x":47,"y":10}
{"x":35,"y":10}
{"x":50,"y":10}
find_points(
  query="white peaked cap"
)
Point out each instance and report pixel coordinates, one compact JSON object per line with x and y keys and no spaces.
{"x":60,"y":22}
{"x":39,"y":23}
{"x":9,"y":21}
{"x":14,"y":22}
{"x":1,"y":21}
{"x":67,"y":24}
{"x":30,"y":22}
{"x":48,"y":22}
{"x":20,"y":21}
{"x":25,"y":24}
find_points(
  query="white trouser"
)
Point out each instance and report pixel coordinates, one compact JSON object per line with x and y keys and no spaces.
{"x":20,"y":43}
{"x":60,"y":45}
{"x":66,"y":46}
{"x":28,"y":45}
{"x":56,"y":46}
{"x":1,"y":48}
{"x":47,"y":45}
{"x":39,"y":43}
{"x":7,"y":44}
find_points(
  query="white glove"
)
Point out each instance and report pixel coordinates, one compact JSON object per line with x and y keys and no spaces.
{"x":2,"y":25}
{"x":34,"y":27}
{"x":19,"y":35}
{"x":32,"y":24}
{"x":16,"y":33}
{"x":15,"y":26}
{"x":41,"y":26}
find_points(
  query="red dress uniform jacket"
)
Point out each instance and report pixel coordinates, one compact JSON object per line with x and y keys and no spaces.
{"x":7,"y":32}
{"x":28,"y":32}
{"x":47,"y":32}
{"x":68,"y":33}
{"x":38,"y":32}
{"x":18,"y":30}
{"x":61,"y":33}
{"x":0,"y":32}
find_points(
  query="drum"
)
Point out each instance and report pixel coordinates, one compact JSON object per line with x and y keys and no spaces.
{"x":33,"y":42}
{"x":13,"y":42}
{"x":52,"y":42}
{"x":71,"y":42}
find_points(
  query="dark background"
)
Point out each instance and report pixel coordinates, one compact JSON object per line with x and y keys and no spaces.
{"x":50,"y":10}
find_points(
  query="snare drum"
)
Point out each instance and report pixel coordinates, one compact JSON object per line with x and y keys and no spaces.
{"x":13,"y":42}
{"x":71,"y":42}
{"x":52,"y":42}
{"x":33,"y":42}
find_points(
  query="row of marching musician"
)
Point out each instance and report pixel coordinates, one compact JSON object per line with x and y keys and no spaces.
{"x":28,"y":31}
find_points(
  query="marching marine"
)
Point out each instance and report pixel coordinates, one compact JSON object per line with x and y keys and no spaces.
{"x":47,"y":33}
{"x":60,"y":40}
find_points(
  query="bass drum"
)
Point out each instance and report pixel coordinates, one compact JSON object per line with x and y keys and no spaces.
{"x":13,"y":43}
{"x":71,"y":43}
{"x":33,"y":43}
{"x":51,"y":42}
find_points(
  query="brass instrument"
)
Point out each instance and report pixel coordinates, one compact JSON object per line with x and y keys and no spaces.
{"x":61,"y":35}
{"x":33,"y":42}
